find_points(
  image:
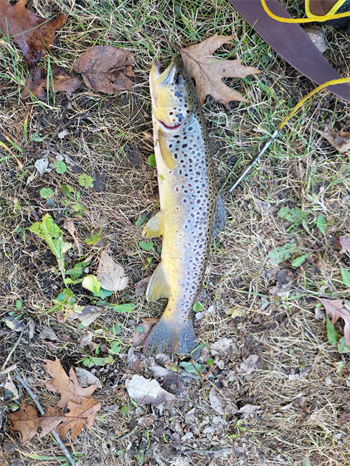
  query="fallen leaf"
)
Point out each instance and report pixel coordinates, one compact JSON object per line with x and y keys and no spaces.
{"x":68,"y":224}
{"x":141,"y":286}
{"x":208,"y":70}
{"x":248,"y":365}
{"x":338,"y":139}
{"x":222,"y":346}
{"x":42,"y":165}
{"x":34,"y":35}
{"x":248,"y":409}
{"x":26,"y":421}
{"x":67,"y":387}
{"x":62,"y":81}
{"x":336,"y":309}
{"x":77,"y":416}
{"x":53,"y":416}
{"x":110,"y":274}
{"x":344,"y":243}
{"x":262,"y":206}
{"x":86,"y":315}
{"x":106,"y":68}
{"x":48,"y":334}
{"x":86,"y":378}
{"x":142,"y":331}
{"x":86,"y":341}
{"x":318,"y":37}
{"x":147,"y":391}
{"x":14,"y":324}
{"x":217,"y":401}
{"x":9,"y":385}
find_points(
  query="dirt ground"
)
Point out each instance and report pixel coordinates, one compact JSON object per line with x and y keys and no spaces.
{"x":273,"y":390}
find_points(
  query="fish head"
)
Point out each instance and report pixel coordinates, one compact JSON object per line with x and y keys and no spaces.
{"x":172,"y":95}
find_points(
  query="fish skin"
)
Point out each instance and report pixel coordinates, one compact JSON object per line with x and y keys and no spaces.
{"x":188,"y":199}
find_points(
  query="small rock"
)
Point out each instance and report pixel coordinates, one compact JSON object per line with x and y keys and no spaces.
{"x":86,"y":379}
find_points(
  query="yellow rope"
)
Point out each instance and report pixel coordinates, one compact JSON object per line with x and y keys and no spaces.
{"x":310,"y":94}
{"x":315,"y":18}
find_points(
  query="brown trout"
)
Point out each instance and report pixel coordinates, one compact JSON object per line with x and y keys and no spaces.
{"x":191,"y":210}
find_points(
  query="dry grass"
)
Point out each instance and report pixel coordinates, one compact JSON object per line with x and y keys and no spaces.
{"x":298,"y":420}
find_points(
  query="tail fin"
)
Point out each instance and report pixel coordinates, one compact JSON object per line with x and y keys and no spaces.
{"x":170,"y":337}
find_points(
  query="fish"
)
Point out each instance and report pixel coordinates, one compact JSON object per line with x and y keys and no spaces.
{"x":191,"y":209}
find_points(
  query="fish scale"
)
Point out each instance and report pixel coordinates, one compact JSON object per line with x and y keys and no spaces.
{"x":188,"y":205}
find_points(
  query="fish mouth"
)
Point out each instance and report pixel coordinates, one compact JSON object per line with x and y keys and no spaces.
{"x":166,"y":76}
{"x":168,"y":128}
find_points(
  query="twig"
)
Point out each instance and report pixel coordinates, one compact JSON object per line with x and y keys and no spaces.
{"x":222,"y":450}
{"x":11,"y":352}
{"x":126,"y":435}
{"x":42,"y":412}
{"x":8,"y":370}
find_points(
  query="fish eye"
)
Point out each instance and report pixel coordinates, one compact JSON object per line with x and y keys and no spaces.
{"x":178,"y":79}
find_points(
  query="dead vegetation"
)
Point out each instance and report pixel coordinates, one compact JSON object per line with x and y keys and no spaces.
{"x":272,"y":385}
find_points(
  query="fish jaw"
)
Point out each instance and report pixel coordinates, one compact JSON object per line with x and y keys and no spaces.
{"x":170,"y":92}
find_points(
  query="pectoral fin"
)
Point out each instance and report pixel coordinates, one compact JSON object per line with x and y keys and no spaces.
{"x":219,"y":218}
{"x":158,"y":286}
{"x":165,"y":153}
{"x":154,"y":226}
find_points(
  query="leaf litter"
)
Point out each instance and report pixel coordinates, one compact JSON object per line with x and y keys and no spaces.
{"x":337,"y":308}
{"x":82,"y":407}
{"x":110,"y":274}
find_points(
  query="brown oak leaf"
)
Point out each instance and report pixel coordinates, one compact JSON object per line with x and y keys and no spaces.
{"x":106,"y":68}
{"x":33,"y":34}
{"x":336,"y":309}
{"x":77,"y":416}
{"x":67,"y":387}
{"x":26,"y":421}
{"x":208,"y":70}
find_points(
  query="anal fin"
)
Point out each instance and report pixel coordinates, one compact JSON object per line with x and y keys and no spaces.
{"x":219,"y":218}
{"x":154,"y":226}
{"x":158,"y":285}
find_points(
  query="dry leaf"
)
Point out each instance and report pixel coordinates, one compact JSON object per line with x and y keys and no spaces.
{"x":48,"y":334}
{"x":62,"y":81}
{"x":217,"y":401}
{"x":338,"y":139}
{"x":139,"y":337}
{"x":106,"y":69}
{"x":208,"y":70}
{"x":344,"y":243}
{"x":68,"y":224}
{"x":318,"y":37}
{"x":24,"y":27}
{"x":336,"y":309}
{"x":110,"y":274}
{"x":25,"y":420}
{"x":146,"y":391}
{"x":78,"y":414}
{"x":86,"y":315}
{"x":9,"y":385}
{"x":141,"y":286}
{"x":67,"y":387}
{"x":51,"y":419}
{"x":86,"y":340}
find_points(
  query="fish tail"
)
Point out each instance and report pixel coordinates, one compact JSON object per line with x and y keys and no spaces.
{"x":169,"y":337}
